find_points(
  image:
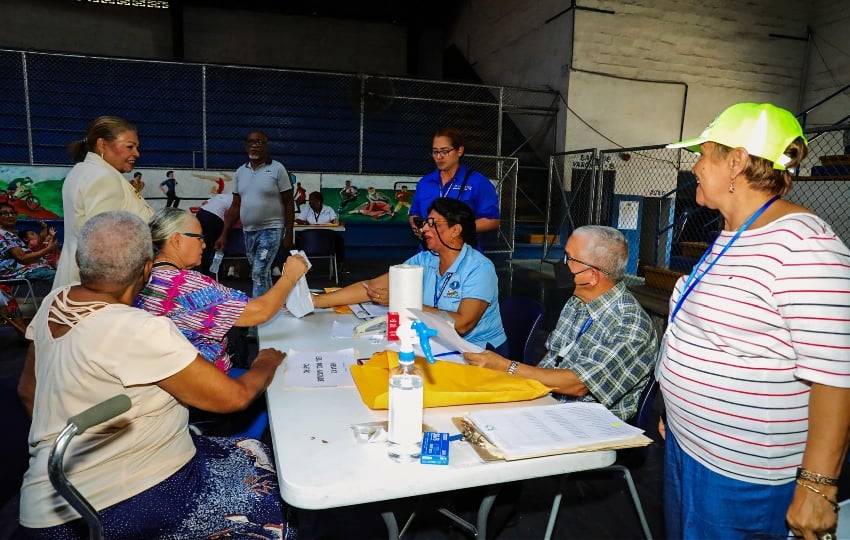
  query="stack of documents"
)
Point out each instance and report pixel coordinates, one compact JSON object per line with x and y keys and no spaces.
{"x":534,"y":431}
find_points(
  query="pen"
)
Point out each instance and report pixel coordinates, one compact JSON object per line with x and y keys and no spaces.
{"x":447,"y":353}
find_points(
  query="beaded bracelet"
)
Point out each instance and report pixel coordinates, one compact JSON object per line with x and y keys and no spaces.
{"x":813,"y":489}
{"x":815,"y":478}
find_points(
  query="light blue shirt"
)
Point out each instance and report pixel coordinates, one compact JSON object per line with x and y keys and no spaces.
{"x":472,"y":275}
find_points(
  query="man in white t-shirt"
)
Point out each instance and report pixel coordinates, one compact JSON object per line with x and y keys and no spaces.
{"x":316,"y":212}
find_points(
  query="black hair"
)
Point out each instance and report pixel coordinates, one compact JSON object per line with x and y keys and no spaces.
{"x":457,"y":212}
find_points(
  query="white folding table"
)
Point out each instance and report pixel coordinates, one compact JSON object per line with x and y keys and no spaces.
{"x":320,"y":463}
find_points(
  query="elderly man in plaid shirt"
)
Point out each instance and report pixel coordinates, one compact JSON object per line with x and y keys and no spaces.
{"x":604,"y":346}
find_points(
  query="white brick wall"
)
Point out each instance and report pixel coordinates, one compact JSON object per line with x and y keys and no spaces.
{"x":721,"y":49}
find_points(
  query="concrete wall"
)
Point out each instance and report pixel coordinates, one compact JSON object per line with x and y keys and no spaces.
{"x":626,"y":78}
{"x":80,"y":27}
{"x":829,"y":62}
{"x":253,"y":38}
{"x":210,"y":35}
{"x":632,"y":72}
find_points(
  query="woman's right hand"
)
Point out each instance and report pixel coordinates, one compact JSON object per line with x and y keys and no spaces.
{"x":377,"y":293}
{"x":268,"y":358}
{"x":295,"y":267}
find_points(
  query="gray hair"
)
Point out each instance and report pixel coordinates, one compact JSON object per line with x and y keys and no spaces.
{"x":605,"y":247}
{"x":113,"y":248}
{"x":167,"y":221}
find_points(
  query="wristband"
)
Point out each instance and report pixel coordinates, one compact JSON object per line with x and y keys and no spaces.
{"x":512,"y":367}
{"x":815,"y":478}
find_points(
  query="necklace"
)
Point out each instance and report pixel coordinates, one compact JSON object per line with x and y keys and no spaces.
{"x":160,"y":264}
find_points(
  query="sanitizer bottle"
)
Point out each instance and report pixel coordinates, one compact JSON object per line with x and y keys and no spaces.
{"x":406,"y":396}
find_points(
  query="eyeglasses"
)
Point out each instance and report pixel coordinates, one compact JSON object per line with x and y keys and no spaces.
{"x":8,"y":213}
{"x":442,"y":151}
{"x":256,"y":142}
{"x":193,"y":235}
{"x":567,"y":259}
{"x":432,"y":222}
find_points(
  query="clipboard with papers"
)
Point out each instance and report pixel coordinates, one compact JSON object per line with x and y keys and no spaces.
{"x":536,"y":431}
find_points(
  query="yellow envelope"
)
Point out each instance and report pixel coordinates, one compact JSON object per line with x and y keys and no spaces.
{"x":445,"y":383}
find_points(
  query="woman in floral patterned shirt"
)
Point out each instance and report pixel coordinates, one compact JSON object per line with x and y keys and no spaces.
{"x":202,"y":308}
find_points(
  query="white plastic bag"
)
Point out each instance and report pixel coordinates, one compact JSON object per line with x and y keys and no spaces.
{"x":299,"y":302}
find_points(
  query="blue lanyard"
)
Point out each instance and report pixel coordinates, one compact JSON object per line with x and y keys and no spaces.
{"x":691,"y":282}
{"x":437,"y":295}
{"x":449,"y":189}
{"x":563,"y":352}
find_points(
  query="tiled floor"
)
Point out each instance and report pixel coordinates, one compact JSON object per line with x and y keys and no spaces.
{"x":594,"y":505}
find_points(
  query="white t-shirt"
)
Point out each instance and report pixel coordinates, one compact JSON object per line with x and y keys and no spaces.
{"x":117,"y":349}
{"x":218,"y":205}
{"x":325,"y":215}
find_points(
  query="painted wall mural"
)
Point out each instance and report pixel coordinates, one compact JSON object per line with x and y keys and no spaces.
{"x":36,"y":191}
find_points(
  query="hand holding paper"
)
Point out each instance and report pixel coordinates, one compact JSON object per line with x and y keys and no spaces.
{"x":446,"y":333}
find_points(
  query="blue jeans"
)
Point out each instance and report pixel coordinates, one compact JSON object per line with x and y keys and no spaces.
{"x":261,"y":248}
{"x":702,"y":504}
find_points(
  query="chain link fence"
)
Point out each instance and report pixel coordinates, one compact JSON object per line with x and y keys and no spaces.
{"x":650,"y":194}
{"x":195,"y":116}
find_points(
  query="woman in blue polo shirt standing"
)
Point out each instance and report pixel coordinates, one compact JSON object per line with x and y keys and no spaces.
{"x":454,"y":180}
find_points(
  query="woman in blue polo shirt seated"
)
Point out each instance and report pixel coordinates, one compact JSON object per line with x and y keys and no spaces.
{"x":456,"y":280}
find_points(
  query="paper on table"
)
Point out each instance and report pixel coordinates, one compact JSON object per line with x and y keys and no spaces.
{"x":555,"y":429}
{"x":314,"y":369}
{"x":343,"y":329}
{"x":368,"y":310}
{"x":446,"y":333}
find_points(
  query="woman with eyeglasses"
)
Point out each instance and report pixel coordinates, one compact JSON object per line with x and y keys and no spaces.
{"x":454,"y":180}
{"x":202,"y":308}
{"x":95,"y":184}
{"x":457,"y":280}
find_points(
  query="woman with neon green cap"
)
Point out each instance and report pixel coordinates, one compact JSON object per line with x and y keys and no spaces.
{"x":754,"y":363}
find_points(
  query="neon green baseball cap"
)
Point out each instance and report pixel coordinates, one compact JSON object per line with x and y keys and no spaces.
{"x":762,"y":129}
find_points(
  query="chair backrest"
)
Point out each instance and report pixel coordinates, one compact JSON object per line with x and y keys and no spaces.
{"x":256,"y":424}
{"x":646,"y":403}
{"x":317,"y":242}
{"x":520,"y":317}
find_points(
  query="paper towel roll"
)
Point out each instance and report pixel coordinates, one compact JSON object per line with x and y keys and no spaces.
{"x":405,"y":292}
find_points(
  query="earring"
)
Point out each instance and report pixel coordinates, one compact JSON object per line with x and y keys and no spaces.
{"x":731,"y":187}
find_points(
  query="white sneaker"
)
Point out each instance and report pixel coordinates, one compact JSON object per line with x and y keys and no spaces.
{"x":275,"y":271}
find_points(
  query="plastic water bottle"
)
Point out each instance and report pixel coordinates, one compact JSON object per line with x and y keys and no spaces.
{"x":405,"y":426}
{"x":216,"y":262}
